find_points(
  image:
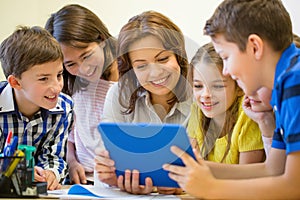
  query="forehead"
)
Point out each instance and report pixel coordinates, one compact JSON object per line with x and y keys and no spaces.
{"x":208,"y":72}
{"x":221,"y":45}
{"x":148,"y":42}
{"x":46,"y":68}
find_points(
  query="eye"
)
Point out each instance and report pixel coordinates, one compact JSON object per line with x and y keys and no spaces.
{"x":59,"y":76}
{"x":87,"y":56}
{"x":198,"y":86}
{"x":218,"y":86}
{"x":163,"y":59}
{"x":224,"y":58}
{"x":43,"y":79}
{"x":69,"y":65}
{"x":140,"y":66}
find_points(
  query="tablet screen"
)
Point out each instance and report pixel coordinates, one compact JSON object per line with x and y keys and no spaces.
{"x":145,"y":147}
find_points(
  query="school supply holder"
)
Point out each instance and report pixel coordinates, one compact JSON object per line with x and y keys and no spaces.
{"x":16,"y":178}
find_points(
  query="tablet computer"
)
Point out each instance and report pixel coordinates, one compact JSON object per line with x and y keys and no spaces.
{"x":145,"y":147}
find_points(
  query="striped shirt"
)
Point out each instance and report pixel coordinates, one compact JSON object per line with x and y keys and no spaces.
{"x":285,"y":101}
{"x":88,"y":108}
{"x":47,"y":130}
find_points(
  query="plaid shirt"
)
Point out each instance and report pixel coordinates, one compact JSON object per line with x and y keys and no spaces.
{"x":47,"y":130}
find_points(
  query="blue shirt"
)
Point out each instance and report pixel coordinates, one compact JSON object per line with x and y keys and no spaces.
{"x":286,"y":101}
{"x":47,"y":130}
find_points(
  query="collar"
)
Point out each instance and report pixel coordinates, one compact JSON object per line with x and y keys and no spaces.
{"x":183,"y":107}
{"x":8,"y":103}
{"x":282,"y":64}
{"x":6,"y":98}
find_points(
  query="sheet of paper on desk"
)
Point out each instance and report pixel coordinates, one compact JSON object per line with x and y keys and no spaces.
{"x":78,"y":191}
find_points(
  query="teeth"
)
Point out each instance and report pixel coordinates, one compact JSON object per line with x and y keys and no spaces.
{"x":160,"y":81}
{"x":51,"y":97}
{"x":208,"y":104}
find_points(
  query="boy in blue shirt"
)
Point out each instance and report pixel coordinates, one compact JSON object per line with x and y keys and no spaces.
{"x":255,"y":40}
{"x":31,"y":103}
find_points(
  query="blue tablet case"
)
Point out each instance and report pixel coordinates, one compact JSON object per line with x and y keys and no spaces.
{"x":145,"y":147}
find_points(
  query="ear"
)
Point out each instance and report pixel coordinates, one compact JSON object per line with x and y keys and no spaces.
{"x":14,"y":82}
{"x":255,"y":45}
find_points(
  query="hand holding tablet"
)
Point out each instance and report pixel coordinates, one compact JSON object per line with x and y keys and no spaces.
{"x":145,"y":147}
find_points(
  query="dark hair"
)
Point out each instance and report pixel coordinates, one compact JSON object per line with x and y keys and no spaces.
{"x":207,"y":55}
{"x":27,"y":47}
{"x":237,"y":19}
{"x":77,"y":26}
{"x":138,"y":27}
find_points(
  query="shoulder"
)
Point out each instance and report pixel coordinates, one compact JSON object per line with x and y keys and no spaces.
{"x":3,"y":85}
{"x":65,"y":101}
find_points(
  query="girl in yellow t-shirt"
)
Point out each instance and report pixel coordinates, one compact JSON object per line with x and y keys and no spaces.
{"x":218,"y":126}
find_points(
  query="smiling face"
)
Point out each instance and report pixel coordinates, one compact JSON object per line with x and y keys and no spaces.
{"x":87,"y":62}
{"x":39,"y":87}
{"x":239,"y":65}
{"x":156,"y":68}
{"x":213,"y":92}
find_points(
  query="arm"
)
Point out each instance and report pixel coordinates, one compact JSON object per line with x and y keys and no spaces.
{"x":52,"y":154}
{"x":265,"y":120}
{"x":273,"y":179}
{"x":76,"y":171}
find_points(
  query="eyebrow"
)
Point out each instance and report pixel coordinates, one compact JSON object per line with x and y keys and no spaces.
{"x":159,"y":53}
{"x":60,"y":71}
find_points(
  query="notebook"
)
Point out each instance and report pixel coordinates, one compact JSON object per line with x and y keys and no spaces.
{"x":145,"y":147}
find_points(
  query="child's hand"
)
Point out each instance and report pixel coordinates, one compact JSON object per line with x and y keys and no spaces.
{"x":52,"y":182}
{"x":130,"y":183}
{"x":77,"y":173}
{"x":195,"y":177}
{"x":105,"y":168}
{"x":264,"y":118}
{"x":41,"y":175}
{"x":167,"y":190}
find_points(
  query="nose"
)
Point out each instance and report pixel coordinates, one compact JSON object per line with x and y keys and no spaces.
{"x":225,"y":70}
{"x":57,"y":85}
{"x":84,"y":68}
{"x":155,"y":69}
{"x":206,"y":93}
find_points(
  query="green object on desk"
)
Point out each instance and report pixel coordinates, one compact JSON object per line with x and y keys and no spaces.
{"x":29,"y":152}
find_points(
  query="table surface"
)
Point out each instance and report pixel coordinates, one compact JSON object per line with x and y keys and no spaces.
{"x":182,"y":197}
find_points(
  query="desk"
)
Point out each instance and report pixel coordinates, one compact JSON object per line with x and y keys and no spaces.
{"x":182,"y":197}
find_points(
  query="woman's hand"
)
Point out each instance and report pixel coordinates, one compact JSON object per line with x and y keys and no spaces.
{"x":130,"y":183}
{"x":105,"y":168}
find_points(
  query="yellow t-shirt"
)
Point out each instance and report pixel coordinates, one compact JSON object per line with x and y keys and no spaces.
{"x":246,"y":136}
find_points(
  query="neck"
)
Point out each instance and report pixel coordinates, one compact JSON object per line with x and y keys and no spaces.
{"x":161,"y":105}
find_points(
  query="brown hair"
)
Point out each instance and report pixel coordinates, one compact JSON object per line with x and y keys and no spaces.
{"x":237,"y":19}
{"x":138,"y":27}
{"x":296,"y":40}
{"x":207,"y":55}
{"x":77,"y":26}
{"x":27,"y":47}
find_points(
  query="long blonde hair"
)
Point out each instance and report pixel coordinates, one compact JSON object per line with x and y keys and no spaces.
{"x":207,"y":54}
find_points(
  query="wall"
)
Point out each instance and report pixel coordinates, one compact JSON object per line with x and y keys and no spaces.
{"x":189,"y":15}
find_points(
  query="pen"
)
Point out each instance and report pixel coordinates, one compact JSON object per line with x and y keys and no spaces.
{"x":7,"y":142}
{"x":16,"y":159}
{"x":1,"y":139}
